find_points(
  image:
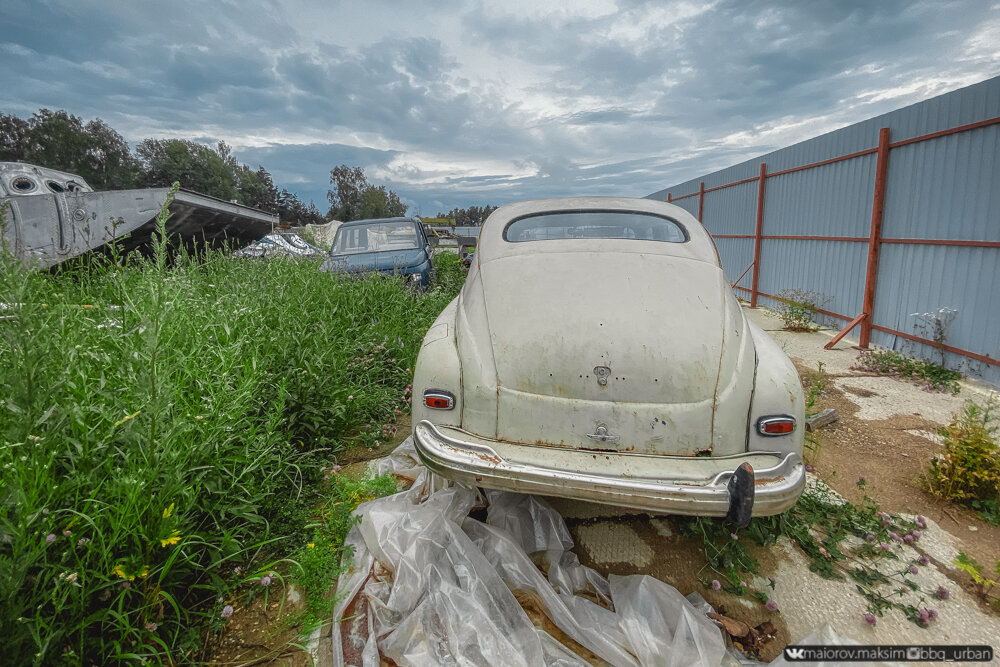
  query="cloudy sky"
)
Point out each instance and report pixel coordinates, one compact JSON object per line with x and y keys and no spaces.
{"x":458,"y":103}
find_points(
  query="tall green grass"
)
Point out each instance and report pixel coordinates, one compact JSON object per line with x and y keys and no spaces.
{"x":162,"y":427}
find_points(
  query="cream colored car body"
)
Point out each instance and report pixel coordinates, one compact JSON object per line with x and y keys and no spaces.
{"x":620,"y":371}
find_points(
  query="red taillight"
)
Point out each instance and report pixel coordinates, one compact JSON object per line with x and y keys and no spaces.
{"x":439,"y":399}
{"x":777,"y":425}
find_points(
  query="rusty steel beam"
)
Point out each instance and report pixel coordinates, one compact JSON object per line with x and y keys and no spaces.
{"x":757,"y":235}
{"x":843,"y":332}
{"x":875,"y":238}
{"x":701,"y":201}
{"x":742,"y":274}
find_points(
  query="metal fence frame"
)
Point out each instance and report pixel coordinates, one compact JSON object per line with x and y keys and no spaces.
{"x":875,"y":239}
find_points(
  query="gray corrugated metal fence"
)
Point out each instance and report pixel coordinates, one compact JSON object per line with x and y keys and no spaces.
{"x":936,"y":244}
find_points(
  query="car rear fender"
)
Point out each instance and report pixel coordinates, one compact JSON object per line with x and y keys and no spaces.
{"x":777,"y":391}
{"x":438,"y":367}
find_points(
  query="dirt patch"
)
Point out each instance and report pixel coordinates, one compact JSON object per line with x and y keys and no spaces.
{"x":259,"y":634}
{"x":892,"y":459}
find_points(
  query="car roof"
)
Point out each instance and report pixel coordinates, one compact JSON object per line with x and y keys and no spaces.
{"x":371,"y":220}
{"x":492,"y":245}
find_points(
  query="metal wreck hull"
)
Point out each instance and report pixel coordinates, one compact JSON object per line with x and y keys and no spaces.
{"x":47,"y":228}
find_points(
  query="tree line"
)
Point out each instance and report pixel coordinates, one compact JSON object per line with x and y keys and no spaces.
{"x":96,"y":152}
{"x":102,"y":157}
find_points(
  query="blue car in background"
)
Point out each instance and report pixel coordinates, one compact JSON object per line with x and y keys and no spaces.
{"x":391,"y":246}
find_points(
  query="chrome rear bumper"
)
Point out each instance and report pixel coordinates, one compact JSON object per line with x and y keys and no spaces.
{"x":694,"y":486}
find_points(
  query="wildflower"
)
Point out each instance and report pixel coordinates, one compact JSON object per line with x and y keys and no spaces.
{"x":885,"y":523}
{"x":894,"y":536}
{"x":126,"y":585}
{"x":351,"y":397}
{"x":915,"y":534}
{"x":882,"y":515}
{"x":265,"y":580}
{"x":884,"y":546}
{"x":771,"y":605}
{"x":743,"y":584}
{"x":311,"y":545}
{"x":734,"y":536}
{"x":174,"y":538}
{"x":67,"y":533}
{"x":870,"y":537}
{"x":870,"y":618}
{"x":922,"y":522}
{"x":861,"y":480}
{"x":716,"y":585}
{"x":50,"y":538}
{"x":237,"y":569}
{"x":824,"y":552}
{"x":71,"y":577}
{"x":942,"y":593}
{"x":227,"y":611}
{"x":924,"y":560}
{"x":932,"y":614}
{"x":774,"y":581}
{"x":336,"y":469}
{"x":912,"y":569}
{"x":809,"y":468}
{"x":908,"y":538}
{"x":82,"y":541}
{"x":151,"y":626}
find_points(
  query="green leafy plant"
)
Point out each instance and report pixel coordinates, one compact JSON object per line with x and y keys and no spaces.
{"x":814,"y":384}
{"x":798,"y":307}
{"x":968,"y":471}
{"x":984,"y":585}
{"x":924,"y":374}
{"x":840,"y":539}
{"x":163,"y":423}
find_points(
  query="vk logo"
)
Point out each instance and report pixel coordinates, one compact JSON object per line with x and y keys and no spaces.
{"x":795,"y":653}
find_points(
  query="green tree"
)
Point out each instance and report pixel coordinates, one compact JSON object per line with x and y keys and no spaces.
{"x":469,"y":217}
{"x":354,"y":198}
{"x":13,"y":138}
{"x":194,"y":166}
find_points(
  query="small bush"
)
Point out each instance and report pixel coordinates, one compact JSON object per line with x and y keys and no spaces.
{"x":797,"y":308}
{"x":968,"y":472}
{"x":924,"y":374}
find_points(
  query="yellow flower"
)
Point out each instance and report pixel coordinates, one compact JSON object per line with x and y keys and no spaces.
{"x":167,"y":512}
{"x":174,"y":538}
{"x":311,"y":545}
{"x":120,"y":571}
{"x":145,"y":572}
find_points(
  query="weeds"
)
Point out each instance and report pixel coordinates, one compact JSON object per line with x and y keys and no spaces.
{"x":968,"y":471}
{"x":814,"y":384}
{"x":924,"y":374}
{"x":983,"y":584}
{"x":163,"y":423}
{"x":841,"y":541}
{"x":797,"y":308}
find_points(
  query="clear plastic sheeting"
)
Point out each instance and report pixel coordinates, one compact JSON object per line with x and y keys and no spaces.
{"x":432,"y":585}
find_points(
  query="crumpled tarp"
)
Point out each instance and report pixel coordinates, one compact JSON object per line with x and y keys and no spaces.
{"x":432,"y":585}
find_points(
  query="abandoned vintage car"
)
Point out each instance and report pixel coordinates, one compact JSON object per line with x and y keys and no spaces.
{"x":391,"y":246}
{"x":597,"y":352}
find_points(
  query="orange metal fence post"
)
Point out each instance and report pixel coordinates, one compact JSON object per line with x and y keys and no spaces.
{"x":875,"y":237}
{"x":670,"y":197}
{"x":701,"y":200}
{"x":757,"y":236}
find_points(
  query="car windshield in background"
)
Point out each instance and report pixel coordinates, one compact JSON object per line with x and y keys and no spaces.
{"x":376,"y":237}
{"x":595,"y":225}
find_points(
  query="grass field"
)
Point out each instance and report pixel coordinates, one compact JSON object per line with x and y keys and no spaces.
{"x":163,"y":425}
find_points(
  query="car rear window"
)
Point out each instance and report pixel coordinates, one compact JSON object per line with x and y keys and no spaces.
{"x":594,"y":225}
{"x":375,"y":237}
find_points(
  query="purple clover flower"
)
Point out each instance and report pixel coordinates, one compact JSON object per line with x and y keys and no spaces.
{"x":894,"y":536}
{"x":870,"y":618}
{"x":932,"y":614}
{"x":913,"y":569}
{"x":771,"y":605}
{"x":884,"y":546}
{"x":227,"y":611}
{"x":908,"y":538}
{"x":922,"y":522}
{"x":50,"y":538}
{"x":942,"y":593}
{"x":265,"y":580}
{"x":870,"y":537}
{"x":924,"y":560}
{"x":716,"y":585}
